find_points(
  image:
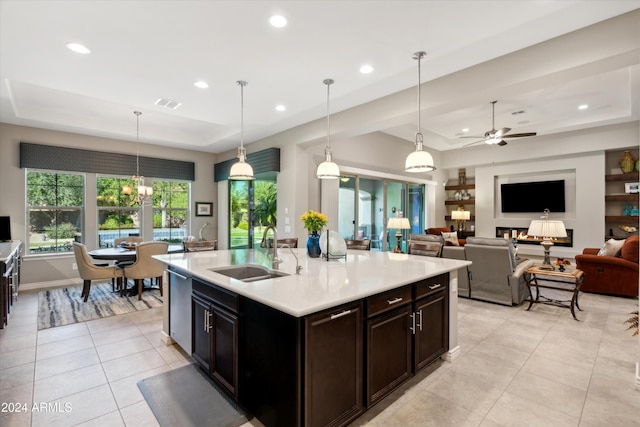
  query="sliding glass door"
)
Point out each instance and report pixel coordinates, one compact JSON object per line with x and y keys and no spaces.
{"x":366,"y":204}
{"x":253,"y":207}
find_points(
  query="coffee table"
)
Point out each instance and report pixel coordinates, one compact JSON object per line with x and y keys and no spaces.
{"x":568,"y":280}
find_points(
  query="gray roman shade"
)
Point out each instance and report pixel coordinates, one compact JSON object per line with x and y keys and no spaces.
{"x":262,"y":162}
{"x":78,"y":160}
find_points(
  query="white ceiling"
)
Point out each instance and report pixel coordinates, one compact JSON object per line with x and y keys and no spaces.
{"x":146,"y":50}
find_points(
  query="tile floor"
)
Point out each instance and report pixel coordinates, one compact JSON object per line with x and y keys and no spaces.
{"x":517,"y":368}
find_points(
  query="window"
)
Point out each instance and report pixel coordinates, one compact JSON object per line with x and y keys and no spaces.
{"x":253,"y":207}
{"x":170,"y":210}
{"x":118,"y":213}
{"x":55,"y":206}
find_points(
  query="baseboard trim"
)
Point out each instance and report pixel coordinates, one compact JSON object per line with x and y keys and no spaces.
{"x":452,"y":355}
{"x":166,"y":339}
{"x":36,"y":286}
{"x":638,"y":376}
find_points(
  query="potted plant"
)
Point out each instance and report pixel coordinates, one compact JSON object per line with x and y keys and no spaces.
{"x":633,"y":322}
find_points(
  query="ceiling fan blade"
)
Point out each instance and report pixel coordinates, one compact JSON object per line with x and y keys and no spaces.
{"x":501,"y":132}
{"x":520,"y":135}
{"x":502,"y":143}
{"x":473,"y":143}
{"x":470,"y":136}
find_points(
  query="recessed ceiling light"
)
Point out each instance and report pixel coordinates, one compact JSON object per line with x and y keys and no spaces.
{"x":78,"y":48}
{"x":583,"y":107}
{"x":280,"y":107}
{"x":278,"y":21}
{"x":200,"y":84}
{"x":366,"y":69}
{"x":465,"y":130}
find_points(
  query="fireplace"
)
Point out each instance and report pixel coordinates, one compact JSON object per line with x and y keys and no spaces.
{"x":523,"y":239}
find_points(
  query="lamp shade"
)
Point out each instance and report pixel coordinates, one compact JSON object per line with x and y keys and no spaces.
{"x":328,"y":170}
{"x":461,"y":215}
{"x":241,"y":170}
{"x":399,"y":223}
{"x":545,"y":228}
{"x":419,"y":161}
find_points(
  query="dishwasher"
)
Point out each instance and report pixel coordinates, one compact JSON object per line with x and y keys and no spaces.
{"x":180,"y":308}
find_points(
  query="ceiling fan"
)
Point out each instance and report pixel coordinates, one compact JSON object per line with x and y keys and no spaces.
{"x":495,"y":136}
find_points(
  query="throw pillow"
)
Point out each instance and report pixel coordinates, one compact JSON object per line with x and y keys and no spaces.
{"x":631,"y":250}
{"x":612,"y":247}
{"x":451,"y":238}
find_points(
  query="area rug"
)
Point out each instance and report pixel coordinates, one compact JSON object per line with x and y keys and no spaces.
{"x":187,"y":397}
{"x":63,"y":306}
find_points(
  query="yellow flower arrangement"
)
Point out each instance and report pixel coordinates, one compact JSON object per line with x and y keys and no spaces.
{"x":313,"y":221}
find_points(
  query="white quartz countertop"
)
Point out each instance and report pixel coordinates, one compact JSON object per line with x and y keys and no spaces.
{"x":321,"y":284}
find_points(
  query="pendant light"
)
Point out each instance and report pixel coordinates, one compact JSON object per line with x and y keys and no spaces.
{"x":145,"y":192}
{"x":241,"y":170}
{"x":328,"y":169}
{"x":419,"y":160}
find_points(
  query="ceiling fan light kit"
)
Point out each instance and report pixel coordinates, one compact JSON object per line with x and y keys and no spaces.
{"x":495,"y":136}
{"x":419,"y":160}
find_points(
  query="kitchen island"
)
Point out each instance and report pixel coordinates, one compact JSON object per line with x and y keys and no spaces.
{"x":318,"y":348}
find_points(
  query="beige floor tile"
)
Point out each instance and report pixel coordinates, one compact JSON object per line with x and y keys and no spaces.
{"x":550,"y":394}
{"x":622,"y":370}
{"x":552,"y":349}
{"x":17,"y":357}
{"x":77,"y":408}
{"x":112,"y":419}
{"x":509,"y":337}
{"x":68,"y":383}
{"x":466,"y":392}
{"x":114,"y":335}
{"x":429,"y":409}
{"x":17,"y":343}
{"x":600,"y":410}
{"x":61,"y":333}
{"x":17,"y":375}
{"x":109,"y":323}
{"x":20,"y":413}
{"x":507,"y":355}
{"x":139,"y":415}
{"x":516,"y":411}
{"x":610,"y":388}
{"x":66,"y":362}
{"x":132,"y":364}
{"x":486,"y":370}
{"x":126,"y":391}
{"x":68,"y":346}
{"x":570,"y":372}
{"x":123,"y":348}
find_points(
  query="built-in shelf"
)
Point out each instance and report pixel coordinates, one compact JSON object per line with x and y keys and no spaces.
{"x":629,"y":177}
{"x":460,"y":202}
{"x":460,"y":187}
{"x":448,"y":218}
{"x":621,"y":198}
{"x":621,"y":219}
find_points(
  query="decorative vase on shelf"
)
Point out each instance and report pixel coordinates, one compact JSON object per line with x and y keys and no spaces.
{"x":638,"y":165}
{"x":313,"y":245}
{"x":627,"y":164}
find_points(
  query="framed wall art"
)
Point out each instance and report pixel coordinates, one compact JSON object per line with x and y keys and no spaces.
{"x":204,"y":209}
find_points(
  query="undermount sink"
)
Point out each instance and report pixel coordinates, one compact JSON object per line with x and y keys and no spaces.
{"x":248,"y":272}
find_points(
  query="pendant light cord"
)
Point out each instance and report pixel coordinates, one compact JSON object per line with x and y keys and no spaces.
{"x":419,"y":138}
{"x":137,"y":113}
{"x":242,"y":84}
{"x":328,"y":82}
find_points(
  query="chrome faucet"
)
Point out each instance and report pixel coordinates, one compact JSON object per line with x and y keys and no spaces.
{"x":298,"y":266}
{"x":276,"y":261}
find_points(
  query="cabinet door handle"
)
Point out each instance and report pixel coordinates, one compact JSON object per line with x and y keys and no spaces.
{"x":420,"y":323}
{"x":206,"y":320}
{"x":343,"y":313}
{"x":436,"y":286}
{"x":393,"y":301}
{"x":413,"y":323}
{"x":209,"y":316}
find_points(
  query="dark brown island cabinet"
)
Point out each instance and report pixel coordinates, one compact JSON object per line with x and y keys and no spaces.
{"x":324,"y":369}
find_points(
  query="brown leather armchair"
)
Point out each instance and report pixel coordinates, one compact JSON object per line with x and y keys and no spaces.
{"x":613,"y":275}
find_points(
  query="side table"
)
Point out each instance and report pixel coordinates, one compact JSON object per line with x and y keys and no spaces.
{"x":568,"y":280}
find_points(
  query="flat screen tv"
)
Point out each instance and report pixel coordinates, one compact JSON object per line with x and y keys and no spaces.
{"x":5,"y":229}
{"x":533,"y":196}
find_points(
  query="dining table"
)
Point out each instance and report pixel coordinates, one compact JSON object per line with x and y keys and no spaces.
{"x":121,"y":254}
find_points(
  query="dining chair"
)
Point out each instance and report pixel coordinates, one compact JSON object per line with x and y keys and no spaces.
{"x":363,"y":245}
{"x":424,"y":248}
{"x":291,"y":241}
{"x":146,"y":267}
{"x":89,"y":271}
{"x":201,"y":245}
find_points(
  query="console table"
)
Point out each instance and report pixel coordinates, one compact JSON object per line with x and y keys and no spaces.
{"x":568,"y":280}
{"x":10,"y":259}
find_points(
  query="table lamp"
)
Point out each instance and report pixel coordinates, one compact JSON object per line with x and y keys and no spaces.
{"x":399,"y":224}
{"x":547,"y":230}
{"x":461,"y":216}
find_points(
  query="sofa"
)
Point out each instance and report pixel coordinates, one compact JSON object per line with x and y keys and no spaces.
{"x":611,"y":274}
{"x":437,"y":231}
{"x":494,"y":274}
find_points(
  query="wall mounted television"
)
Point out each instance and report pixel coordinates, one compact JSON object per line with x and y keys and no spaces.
{"x":5,"y":229}
{"x":533,"y":196}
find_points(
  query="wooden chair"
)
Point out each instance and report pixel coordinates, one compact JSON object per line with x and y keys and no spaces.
{"x":146,"y":267}
{"x":363,"y":245}
{"x":424,"y":248}
{"x":89,"y":271}
{"x":201,"y":245}
{"x":292,"y":242}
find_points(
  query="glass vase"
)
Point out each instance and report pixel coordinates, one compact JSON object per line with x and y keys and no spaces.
{"x":313,"y":245}
{"x":627,"y":164}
